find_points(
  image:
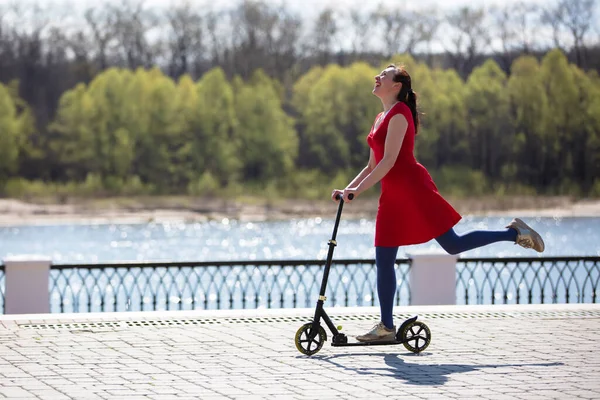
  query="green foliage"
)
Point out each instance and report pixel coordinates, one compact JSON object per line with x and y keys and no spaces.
{"x":563,"y":112}
{"x":487,"y":104}
{"x":362,"y":108}
{"x":92,"y":186}
{"x":592,"y":145}
{"x":529,"y":104}
{"x":337,"y":113}
{"x":139,"y":132}
{"x":405,"y":61}
{"x":213,"y":121}
{"x":207,"y":185}
{"x":461,"y":181}
{"x":303,"y":88}
{"x":323,"y":115}
{"x":73,"y":138}
{"x":21,"y":188}
{"x":595,"y":190}
{"x":16,"y":123}
{"x":9,"y":135}
{"x":268,"y":141}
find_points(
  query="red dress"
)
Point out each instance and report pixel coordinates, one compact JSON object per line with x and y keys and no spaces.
{"x":411,"y":210}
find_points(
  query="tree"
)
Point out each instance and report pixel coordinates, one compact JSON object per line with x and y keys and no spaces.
{"x":515,"y":24}
{"x":301,"y":99}
{"x":113,"y":143}
{"x":529,"y":109}
{"x":428,"y":22}
{"x":337,"y":111}
{"x":215,"y":144}
{"x":361,"y":109}
{"x":443,"y":134}
{"x":592,"y":145}
{"x":11,"y":135}
{"x":156,"y":127}
{"x":131,"y":26}
{"x":253,"y":23}
{"x":326,"y":147}
{"x":323,"y":38}
{"x":403,"y":30}
{"x":563,"y":112}
{"x":490,"y":125}
{"x":100,"y":22}
{"x":585,"y":134}
{"x":469,"y":37}
{"x":526,"y":21}
{"x":185,"y":42}
{"x":268,"y":142}
{"x":577,"y":16}
{"x":263,"y":37}
{"x":72,"y":143}
{"x":360,"y":23}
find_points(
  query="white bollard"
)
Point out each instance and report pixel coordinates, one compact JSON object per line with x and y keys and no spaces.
{"x":433,"y":278}
{"x":26,"y":285}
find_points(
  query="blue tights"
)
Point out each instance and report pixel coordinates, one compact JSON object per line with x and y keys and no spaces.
{"x":385,"y":258}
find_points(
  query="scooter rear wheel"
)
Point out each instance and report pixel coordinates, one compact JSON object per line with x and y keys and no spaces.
{"x":308,"y":346}
{"x":416,"y":336}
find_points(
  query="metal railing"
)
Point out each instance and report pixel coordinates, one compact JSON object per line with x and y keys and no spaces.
{"x":2,"y":289}
{"x":528,"y":280}
{"x":215,"y":285}
{"x":295,"y":283}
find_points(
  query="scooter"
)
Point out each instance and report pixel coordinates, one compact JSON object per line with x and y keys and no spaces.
{"x":413,"y":334}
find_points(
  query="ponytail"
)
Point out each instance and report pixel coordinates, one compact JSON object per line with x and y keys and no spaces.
{"x":409,"y":97}
{"x":406,"y":94}
{"x":411,"y":102}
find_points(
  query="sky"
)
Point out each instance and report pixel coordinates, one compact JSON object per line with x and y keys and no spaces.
{"x":303,"y":6}
{"x":306,"y":9}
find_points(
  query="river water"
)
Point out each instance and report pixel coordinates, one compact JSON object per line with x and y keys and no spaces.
{"x":231,"y":240}
{"x":293,"y":239}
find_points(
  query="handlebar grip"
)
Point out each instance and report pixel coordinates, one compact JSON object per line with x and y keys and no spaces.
{"x":350,"y":196}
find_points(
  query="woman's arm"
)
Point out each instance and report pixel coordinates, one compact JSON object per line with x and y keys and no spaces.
{"x":393,"y":143}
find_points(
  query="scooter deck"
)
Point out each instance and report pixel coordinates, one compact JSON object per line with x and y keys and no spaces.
{"x":377,"y":343}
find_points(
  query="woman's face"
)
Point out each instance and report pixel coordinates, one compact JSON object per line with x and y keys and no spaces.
{"x":384,"y":83}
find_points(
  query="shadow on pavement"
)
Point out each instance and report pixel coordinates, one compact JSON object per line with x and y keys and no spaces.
{"x":418,"y":374}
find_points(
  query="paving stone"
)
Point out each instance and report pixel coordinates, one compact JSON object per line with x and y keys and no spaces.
{"x":483,"y":352}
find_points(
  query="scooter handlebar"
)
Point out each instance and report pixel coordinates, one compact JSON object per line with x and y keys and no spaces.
{"x":350,"y":196}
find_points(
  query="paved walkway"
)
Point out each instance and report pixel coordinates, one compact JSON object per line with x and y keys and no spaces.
{"x":499,"y":352}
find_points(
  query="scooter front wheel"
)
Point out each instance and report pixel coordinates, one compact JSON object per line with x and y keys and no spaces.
{"x":416,"y":336}
{"x":305,"y":344}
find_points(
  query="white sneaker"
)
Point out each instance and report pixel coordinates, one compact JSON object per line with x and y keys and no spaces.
{"x":379,"y":333}
{"x":526,"y":236}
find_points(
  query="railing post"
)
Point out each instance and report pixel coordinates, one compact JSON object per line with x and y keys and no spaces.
{"x":432,"y":278}
{"x":26,"y":285}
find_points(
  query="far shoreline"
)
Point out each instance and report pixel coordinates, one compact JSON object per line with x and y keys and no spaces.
{"x":194,"y":210}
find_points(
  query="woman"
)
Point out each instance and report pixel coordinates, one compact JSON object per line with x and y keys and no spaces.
{"x":411,"y":210}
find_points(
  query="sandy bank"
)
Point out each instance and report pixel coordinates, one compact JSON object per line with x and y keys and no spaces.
{"x":17,"y":212}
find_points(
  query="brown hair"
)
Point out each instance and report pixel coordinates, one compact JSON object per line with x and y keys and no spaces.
{"x":406,"y":94}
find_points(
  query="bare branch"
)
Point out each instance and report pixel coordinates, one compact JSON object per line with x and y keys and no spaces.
{"x":469,"y":37}
{"x":552,"y":18}
{"x":577,"y":17}
{"x":324,"y":36}
{"x":361,"y":25}
{"x":185,"y":42}
{"x":393,"y":23}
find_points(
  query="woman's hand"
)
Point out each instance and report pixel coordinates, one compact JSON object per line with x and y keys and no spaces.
{"x":348,"y":191}
{"x":335,"y":194}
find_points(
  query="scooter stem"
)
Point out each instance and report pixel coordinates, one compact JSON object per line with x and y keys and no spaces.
{"x":319,"y":311}
{"x":332,"y":244}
